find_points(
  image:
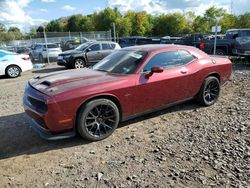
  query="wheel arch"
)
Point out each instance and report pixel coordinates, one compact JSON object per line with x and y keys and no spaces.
{"x":110,"y":97}
{"x":215,"y":74}
{"x":225,"y":48}
{"x":13,"y":65}
{"x":79,"y":57}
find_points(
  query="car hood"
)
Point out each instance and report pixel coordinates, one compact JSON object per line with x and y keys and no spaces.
{"x":243,"y":43}
{"x":63,"y":81}
{"x":70,"y":52}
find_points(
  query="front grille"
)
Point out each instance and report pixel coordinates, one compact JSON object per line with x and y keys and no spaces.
{"x":40,"y":106}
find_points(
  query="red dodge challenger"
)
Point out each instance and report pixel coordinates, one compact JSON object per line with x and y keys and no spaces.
{"x":128,"y":83}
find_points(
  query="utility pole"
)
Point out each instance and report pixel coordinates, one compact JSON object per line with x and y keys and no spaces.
{"x":114,"y":32}
{"x":231,"y":7}
{"x":45,"y":39}
{"x":215,"y":39}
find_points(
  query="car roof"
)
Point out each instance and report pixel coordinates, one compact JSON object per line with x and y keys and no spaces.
{"x":238,"y":29}
{"x":151,"y":47}
{"x":44,"y":43}
{"x":105,"y":42}
{"x":158,"y":47}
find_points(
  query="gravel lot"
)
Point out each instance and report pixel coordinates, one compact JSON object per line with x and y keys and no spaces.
{"x":182,"y":146}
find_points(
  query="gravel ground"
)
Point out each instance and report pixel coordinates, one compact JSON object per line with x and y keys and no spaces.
{"x":182,"y":146}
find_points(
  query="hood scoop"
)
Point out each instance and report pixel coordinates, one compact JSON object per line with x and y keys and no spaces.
{"x":46,"y":83}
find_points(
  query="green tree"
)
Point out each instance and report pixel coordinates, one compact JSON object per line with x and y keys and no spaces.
{"x":244,"y":20}
{"x":105,"y":18}
{"x":14,"y":29}
{"x":55,"y":26}
{"x":15,"y":33}
{"x":2,"y":28}
{"x":200,"y":25}
{"x":228,"y":21}
{"x":74,"y":23}
{"x":174,"y":24}
{"x":124,"y":26}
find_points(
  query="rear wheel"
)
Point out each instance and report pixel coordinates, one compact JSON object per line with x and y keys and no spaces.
{"x":209,"y":91}
{"x":13,"y":71}
{"x":220,"y":52}
{"x":79,"y":63}
{"x":98,"y":119}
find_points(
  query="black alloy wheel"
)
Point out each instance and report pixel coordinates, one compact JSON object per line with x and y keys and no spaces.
{"x":98,"y":119}
{"x":210,"y":91}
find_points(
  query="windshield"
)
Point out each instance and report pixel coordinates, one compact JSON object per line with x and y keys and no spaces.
{"x":121,"y":62}
{"x":83,"y":46}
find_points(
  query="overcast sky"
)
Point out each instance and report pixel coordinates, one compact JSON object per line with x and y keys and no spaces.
{"x":27,"y":13}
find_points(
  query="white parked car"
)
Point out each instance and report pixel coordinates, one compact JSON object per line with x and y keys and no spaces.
{"x":12,"y":64}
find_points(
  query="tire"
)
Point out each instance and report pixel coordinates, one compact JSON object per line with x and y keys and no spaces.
{"x":209,"y":92}
{"x":32,"y":58}
{"x":68,"y":66}
{"x":79,"y":63}
{"x":13,"y":71}
{"x":220,"y":52}
{"x":98,"y":119}
{"x":41,"y":59}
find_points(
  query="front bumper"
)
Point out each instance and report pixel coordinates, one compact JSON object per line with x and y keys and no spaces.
{"x":62,"y":62}
{"x":47,"y":135}
{"x":241,"y":52}
{"x":48,"y":120}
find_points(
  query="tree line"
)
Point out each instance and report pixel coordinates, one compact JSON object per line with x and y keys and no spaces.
{"x":140,"y":23}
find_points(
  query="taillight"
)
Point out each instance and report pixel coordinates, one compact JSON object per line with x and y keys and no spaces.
{"x":202,"y":45}
{"x":26,"y":58}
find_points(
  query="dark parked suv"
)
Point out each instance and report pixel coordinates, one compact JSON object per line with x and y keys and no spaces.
{"x":86,"y":54}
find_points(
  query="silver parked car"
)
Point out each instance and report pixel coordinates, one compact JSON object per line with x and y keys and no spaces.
{"x":39,"y":52}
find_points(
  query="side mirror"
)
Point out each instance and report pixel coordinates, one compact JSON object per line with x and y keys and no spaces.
{"x":88,"y":50}
{"x":155,"y":69}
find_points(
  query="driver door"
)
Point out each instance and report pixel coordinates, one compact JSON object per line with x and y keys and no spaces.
{"x":163,"y":88}
{"x":94,"y":53}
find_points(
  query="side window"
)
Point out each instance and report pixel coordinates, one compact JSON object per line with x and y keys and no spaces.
{"x":164,"y":59}
{"x":105,"y":46}
{"x":112,"y":46}
{"x":186,"y":57}
{"x":95,"y":47}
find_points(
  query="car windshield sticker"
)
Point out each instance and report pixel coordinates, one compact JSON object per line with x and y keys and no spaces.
{"x":135,"y":55}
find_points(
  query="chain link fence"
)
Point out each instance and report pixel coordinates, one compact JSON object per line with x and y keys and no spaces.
{"x":60,"y":37}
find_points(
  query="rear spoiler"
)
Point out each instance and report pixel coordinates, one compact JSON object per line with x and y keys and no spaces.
{"x":219,"y":56}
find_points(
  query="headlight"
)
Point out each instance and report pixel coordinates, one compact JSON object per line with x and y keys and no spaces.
{"x":66,"y":57}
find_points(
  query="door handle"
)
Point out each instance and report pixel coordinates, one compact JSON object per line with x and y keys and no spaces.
{"x":183,"y":71}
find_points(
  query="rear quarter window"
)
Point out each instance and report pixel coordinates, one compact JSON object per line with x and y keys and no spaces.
{"x":186,"y":57}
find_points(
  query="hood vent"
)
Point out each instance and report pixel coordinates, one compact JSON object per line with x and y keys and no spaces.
{"x":46,"y":83}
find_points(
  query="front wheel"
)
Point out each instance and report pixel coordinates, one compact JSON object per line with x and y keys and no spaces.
{"x":41,"y":59}
{"x":98,"y":119}
{"x":79,"y":63}
{"x":13,"y":71}
{"x":209,"y":91}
